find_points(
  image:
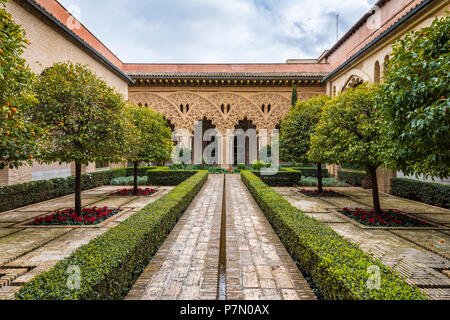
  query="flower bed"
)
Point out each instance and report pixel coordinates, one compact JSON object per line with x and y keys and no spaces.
{"x":90,"y":216}
{"x":130,"y":192}
{"x":324,"y":193}
{"x":388,"y":218}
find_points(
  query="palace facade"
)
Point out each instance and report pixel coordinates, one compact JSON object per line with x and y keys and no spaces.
{"x":224,"y":96}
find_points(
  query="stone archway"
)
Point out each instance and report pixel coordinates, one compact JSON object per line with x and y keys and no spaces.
{"x":244,"y":149}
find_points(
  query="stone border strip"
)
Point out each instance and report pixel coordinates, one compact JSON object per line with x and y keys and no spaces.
{"x":428,"y":248}
{"x":33,"y":248}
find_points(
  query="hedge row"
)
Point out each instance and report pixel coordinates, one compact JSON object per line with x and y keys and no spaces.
{"x":111,"y":263}
{"x":281,"y":179}
{"x":166,"y":177}
{"x":436,"y":194}
{"x":337,"y":267}
{"x":20,"y":195}
{"x":311,"y":172}
{"x":352,"y":177}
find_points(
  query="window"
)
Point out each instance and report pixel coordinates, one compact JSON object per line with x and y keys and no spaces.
{"x":376,"y":72}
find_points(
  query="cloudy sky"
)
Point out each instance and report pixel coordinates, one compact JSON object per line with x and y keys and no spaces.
{"x":184,"y":31}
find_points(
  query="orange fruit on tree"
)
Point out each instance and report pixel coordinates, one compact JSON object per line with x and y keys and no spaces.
{"x":33,"y":133}
{"x":441,"y":241}
{"x":1,"y":51}
{"x":7,"y":133}
{"x":13,"y":110}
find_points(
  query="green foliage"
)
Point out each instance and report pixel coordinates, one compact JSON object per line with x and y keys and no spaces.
{"x":281,"y":178}
{"x":166,"y":177}
{"x":414,"y":101}
{"x":294,"y":97}
{"x":310,"y":171}
{"x":20,"y":195}
{"x":327,"y":182}
{"x":111,"y":263}
{"x":297,"y":127}
{"x":352,"y":177}
{"x":348,"y":131}
{"x":84,"y":116}
{"x":336,"y":266}
{"x":149,"y":137}
{"x":128,"y":181}
{"x":241,"y":166}
{"x":19,"y":138}
{"x":436,"y":194}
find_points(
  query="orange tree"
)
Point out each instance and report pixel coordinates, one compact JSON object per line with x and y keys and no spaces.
{"x":348,"y":132}
{"x":149,"y":137}
{"x":83,"y":115}
{"x":18,"y":136}
{"x":296,"y":130}
{"x":414,"y":101}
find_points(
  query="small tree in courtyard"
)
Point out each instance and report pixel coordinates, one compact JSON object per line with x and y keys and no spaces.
{"x":348,"y":132}
{"x":414,"y":101}
{"x":150,"y":137}
{"x":296,"y":130}
{"x":18,"y":136}
{"x":83,"y":115}
{"x":294,"y":98}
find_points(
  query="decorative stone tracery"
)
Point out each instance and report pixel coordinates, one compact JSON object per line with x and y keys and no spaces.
{"x":236,"y":107}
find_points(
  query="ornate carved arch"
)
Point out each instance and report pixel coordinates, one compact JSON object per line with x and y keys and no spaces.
{"x":161,"y":105}
{"x":279,"y":107}
{"x":241,"y":108}
{"x":200,"y":107}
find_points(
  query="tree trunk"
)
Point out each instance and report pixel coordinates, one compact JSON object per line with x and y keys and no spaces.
{"x":135,"y":177}
{"x":375,"y":195}
{"x":78,"y":188}
{"x":319,"y":177}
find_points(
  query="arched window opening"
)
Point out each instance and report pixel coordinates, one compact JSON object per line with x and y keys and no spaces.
{"x":222,"y":108}
{"x":269,"y":107}
{"x":376,"y":73}
{"x":228,"y":108}
{"x":181,"y":108}
{"x":263,"y":108}
{"x":140,"y":104}
{"x":334,"y":91}
{"x":386,"y":63}
{"x":187,"y":108}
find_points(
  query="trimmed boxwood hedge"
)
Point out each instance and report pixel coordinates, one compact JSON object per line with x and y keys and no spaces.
{"x":436,"y":194}
{"x":20,"y":195}
{"x":281,"y":179}
{"x":166,"y":177}
{"x":112,"y":262}
{"x":312,"y":172}
{"x":336,"y":266}
{"x":352,"y":177}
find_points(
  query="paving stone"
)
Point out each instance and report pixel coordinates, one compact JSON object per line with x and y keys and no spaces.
{"x":263,"y":262}
{"x":186,"y":265}
{"x":20,"y":243}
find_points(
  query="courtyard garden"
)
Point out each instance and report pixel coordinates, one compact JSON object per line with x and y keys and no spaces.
{"x":150,"y":231}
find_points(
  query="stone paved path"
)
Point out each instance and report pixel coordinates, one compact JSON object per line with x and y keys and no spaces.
{"x":186,"y":266}
{"x":258,"y":265}
{"x":27,"y":251}
{"x":421,"y":256}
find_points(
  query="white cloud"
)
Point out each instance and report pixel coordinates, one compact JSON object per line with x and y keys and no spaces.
{"x":218,"y":31}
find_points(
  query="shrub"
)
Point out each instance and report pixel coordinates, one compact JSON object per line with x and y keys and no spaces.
{"x":166,"y":177}
{"x":241,"y":166}
{"x":111,"y":263}
{"x":312,"y":171}
{"x":128,"y":181}
{"x":436,"y":194}
{"x":352,"y":177}
{"x":20,"y":195}
{"x":337,"y":267}
{"x":280,"y":179}
{"x":327,"y":182}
